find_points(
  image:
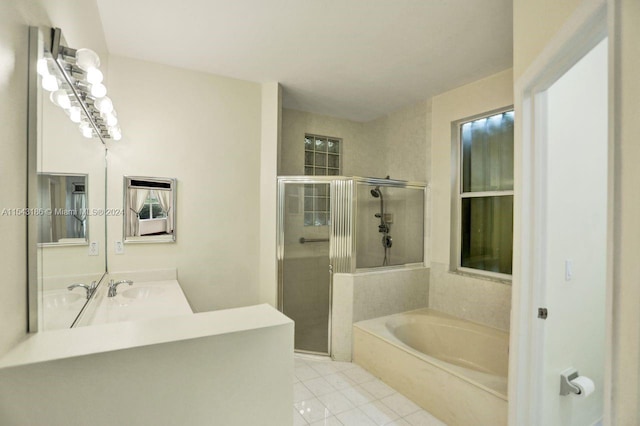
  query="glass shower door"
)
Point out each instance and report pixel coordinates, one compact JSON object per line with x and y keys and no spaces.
{"x":305,"y":278}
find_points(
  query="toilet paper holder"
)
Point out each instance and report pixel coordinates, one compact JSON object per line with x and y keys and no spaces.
{"x":566,"y":387}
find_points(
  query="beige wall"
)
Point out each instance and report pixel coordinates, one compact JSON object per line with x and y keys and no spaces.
{"x":271,"y":124}
{"x":397,"y":144}
{"x":625,"y":130}
{"x":404,"y":137}
{"x":534,"y":24}
{"x":360,"y":156}
{"x":468,"y":297}
{"x":205,"y":131}
{"x":15,"y":17}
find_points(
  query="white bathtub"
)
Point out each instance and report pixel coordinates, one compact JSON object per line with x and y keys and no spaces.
{"x":453,"y":368}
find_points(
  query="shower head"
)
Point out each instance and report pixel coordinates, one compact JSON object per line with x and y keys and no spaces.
{"x":376,"y":192}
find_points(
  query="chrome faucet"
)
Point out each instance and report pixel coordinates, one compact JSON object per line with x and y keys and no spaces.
{"x":113,"y":285}
{"x":90,"y":289}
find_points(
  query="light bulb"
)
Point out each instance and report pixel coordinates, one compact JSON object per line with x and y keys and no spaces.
{"x":111,"y":119}
{"x":87,"y":133}
{"x":42,"y":67}
{"x":104,"y":105}
{"x":98,"y":90}
{"x":50,"y":83}
{"x":75,"y":114}
{"x":61,"y":99}
{"x":116,"y":135}
{"x":87,"y":59}
{"x":86,"y":129}
{"x":94,"y":76}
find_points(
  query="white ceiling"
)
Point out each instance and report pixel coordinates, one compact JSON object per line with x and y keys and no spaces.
{"x":355,"y":59}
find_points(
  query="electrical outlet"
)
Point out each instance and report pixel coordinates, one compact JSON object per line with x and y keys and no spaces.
{"x":94,"y":250}
{"x":119,"y":247}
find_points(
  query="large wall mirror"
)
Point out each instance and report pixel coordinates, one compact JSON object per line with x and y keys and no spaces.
{"x":66,"y":195}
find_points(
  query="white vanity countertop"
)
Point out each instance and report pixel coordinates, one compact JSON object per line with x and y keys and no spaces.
{"x":141,"y":301}
{"x":74,"y":342}
{"x":60,"y":308}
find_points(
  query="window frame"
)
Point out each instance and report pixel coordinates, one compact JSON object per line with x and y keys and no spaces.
{"x":151,"y":204}
{"x":457,"y":195}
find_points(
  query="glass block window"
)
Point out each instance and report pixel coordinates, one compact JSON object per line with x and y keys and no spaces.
{"x":321,"y":158}
{"x":321,"y":155}
{"x":317,"y":205}
{"x":485,"y":197}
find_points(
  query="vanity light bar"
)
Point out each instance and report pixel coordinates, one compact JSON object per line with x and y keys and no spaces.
{"x":80,"y":89}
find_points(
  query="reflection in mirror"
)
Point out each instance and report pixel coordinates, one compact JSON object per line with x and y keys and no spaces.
{"x":64,"y":201}
{"x":66,"y":236}
{"x":149,"y":205}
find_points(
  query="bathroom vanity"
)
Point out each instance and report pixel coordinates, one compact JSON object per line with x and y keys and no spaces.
{"x":150,"y":295}
{"x":162,"y":371}
{"x":134,"y":354}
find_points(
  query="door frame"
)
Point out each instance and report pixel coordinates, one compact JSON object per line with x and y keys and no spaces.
{"x":581,"y":33}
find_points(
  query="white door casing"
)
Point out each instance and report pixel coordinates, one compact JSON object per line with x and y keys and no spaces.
{"x":586,"y":28}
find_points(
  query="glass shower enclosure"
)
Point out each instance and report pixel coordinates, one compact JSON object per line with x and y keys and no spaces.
{"x":338,"y":224}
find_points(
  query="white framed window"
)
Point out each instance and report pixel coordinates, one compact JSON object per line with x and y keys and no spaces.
{"x":482,"y":195}
{"x":322,"y":157}
{"x":152,"y":209}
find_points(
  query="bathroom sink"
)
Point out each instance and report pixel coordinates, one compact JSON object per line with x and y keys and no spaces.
{"x":142,"y":292}
{"x":61,"y":299}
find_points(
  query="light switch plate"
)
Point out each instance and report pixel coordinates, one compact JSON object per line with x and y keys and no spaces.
{"x":94,"y":250}
{"x":568,"y":270}
{"x":119,"y":247}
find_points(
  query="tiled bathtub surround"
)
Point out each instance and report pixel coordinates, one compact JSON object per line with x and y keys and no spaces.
{"x":454,"y":368}
{"x":362,"y":296}
{"x":478,"y":300}
{"x":329,"y":393}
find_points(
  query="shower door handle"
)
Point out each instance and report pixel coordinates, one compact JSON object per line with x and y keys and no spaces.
{"x":330,"y":269}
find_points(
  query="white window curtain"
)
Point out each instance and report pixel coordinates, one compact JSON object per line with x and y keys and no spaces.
{"x":80,"y":214}
{"x":164,"y":197}
{"x":137,"y":197}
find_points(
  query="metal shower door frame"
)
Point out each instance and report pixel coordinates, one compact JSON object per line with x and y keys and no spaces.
{"x":283,"y":181}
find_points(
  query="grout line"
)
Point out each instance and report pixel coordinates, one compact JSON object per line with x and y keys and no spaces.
{"x":311,"y":359}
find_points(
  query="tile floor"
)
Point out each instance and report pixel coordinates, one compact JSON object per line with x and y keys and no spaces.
{"x":332,"y":393}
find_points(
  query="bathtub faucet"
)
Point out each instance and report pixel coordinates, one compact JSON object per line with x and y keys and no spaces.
{"x":113,"y":286}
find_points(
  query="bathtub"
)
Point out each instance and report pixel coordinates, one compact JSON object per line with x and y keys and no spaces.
{"x":453,"y":368}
